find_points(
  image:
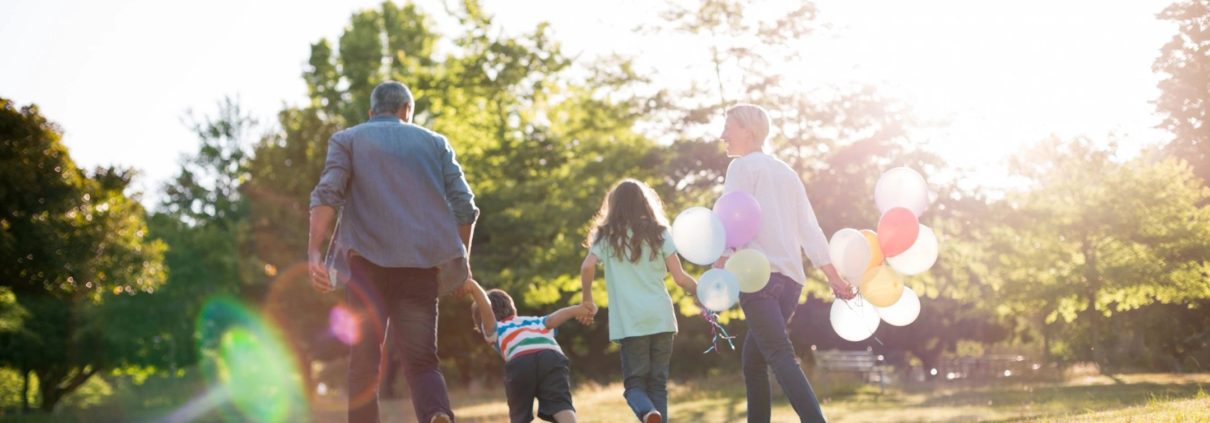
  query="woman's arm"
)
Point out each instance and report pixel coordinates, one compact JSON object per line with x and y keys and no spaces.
{"x":815,"y":246}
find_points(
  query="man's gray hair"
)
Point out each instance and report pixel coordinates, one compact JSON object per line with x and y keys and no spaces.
{"x":753,"y":118}
{"x":389,"y":97}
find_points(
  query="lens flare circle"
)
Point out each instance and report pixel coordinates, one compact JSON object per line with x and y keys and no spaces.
{"x":245,"y":357}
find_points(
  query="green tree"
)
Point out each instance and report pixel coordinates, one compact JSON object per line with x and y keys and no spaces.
{"x":75,"y":246}
{"x":1092,"y":237}
{"x":203,"y":219}
{"x":1184,"y":100}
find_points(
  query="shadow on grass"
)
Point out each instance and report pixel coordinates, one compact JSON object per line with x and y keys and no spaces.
{"x":1073,"y":398}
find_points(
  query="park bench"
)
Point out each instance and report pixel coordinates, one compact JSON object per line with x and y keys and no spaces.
{"x":865,"y":363}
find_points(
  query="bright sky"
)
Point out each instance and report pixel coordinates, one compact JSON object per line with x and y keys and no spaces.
{"x":119,"y":75}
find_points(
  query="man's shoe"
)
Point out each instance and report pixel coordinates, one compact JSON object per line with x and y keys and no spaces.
{"x":653,"y":417}
{"x":441,"y":418}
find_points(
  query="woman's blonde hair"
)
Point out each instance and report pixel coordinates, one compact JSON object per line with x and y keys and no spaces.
{"x":753,"y":118}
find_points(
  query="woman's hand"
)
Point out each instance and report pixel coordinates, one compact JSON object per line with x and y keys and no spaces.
{"x":842,"y":288}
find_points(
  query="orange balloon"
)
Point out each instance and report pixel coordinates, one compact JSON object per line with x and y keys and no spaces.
{"x":881,"y":286}
{"x":876,"y":256}
{"x":897,"y":231}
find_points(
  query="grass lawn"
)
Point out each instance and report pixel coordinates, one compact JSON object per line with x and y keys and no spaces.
{"x":1137,"y":398}
{"x":1127,"y":398}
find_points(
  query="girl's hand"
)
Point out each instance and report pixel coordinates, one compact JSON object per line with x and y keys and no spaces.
{"x":721,"y":262}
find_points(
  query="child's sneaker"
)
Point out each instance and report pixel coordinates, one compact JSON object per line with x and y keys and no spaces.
{"x":653,"y":417}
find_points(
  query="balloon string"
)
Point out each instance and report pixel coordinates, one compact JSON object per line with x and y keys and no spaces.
{"x":717,"y":332}
{"x":850,"y":306}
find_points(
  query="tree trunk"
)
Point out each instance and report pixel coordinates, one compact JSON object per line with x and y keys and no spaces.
{"x":54,"y":386}
{"x":308,"y":380}
{"x":50,"y":396}
{"x":598,"y":342}
{"x":929,"y":358}
{"x":1045,"y":341}
{"x":25,"y":391}
{"x":1092,"y":278}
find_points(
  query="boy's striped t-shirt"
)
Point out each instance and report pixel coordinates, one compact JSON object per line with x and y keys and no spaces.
{"x":519,"y":335}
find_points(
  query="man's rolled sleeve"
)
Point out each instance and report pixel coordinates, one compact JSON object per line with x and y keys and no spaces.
{"x":334,"y":181}
{"x":457,"y":191}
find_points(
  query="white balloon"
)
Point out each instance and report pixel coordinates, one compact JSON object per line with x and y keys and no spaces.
{"x":850,"y":253}
{"x":854,"y":320}
{"x":903,"y":312}
{"x":902,"y":187}
{"x":918,"y":258}
{"x":699,"y":235}
{"x":717,"y":290}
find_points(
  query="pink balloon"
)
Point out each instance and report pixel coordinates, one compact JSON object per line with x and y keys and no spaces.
{"x":740,"y":213}
{"x":897,"y":231}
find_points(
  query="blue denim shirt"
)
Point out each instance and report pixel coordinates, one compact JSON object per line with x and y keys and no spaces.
{"x":401,"y":195}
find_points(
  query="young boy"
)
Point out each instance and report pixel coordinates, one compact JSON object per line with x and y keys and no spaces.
{"x":534,"y":365}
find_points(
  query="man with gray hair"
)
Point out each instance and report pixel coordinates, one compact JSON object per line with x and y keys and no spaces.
{"x":403,"y":239}
{"x":788,"y":230}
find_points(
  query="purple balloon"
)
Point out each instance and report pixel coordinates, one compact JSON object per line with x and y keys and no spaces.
{"x":740,"y":213}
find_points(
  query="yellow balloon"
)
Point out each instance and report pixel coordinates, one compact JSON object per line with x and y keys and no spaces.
{"x":876,"y":256}
{"x":881,"y":286}
{"x":752,"y":269}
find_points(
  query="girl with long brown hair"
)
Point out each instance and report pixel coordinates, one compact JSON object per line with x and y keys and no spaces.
{"x":630,"y":235}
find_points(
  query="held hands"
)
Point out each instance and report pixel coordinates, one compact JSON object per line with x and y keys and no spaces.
{"x":467,"y":288}
{"x":588,"y":314}
{"x":721,"y":262}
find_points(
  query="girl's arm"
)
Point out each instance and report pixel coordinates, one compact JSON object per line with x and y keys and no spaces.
{"x":588,"y":271}
{"x":564,"y":314}
{"x":686,"y":282}
{"x":484,"y":306}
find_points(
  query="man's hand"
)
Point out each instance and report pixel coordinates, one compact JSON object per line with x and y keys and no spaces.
{"x":319,"y":273}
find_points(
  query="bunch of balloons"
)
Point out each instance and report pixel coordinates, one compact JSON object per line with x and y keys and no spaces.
{"x":876,"y":261}
{"x":702,"y":235}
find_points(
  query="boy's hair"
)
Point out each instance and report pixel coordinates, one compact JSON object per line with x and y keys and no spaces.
{"x":631,"y":215}
{"x":502,"y":308}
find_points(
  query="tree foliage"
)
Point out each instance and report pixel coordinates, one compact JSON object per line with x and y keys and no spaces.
{"x":1184,"y":100}
{"x":75,"y":251}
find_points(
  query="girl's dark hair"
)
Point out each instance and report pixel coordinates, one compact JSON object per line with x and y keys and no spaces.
{"x":630,"y":216}
{"x":502,"y":307}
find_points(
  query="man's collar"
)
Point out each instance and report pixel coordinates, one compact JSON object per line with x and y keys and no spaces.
{"x":385,"y":117}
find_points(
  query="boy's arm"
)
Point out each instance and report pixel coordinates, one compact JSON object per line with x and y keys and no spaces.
{"x":484,"y":306}
{"x":564,"y":314}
